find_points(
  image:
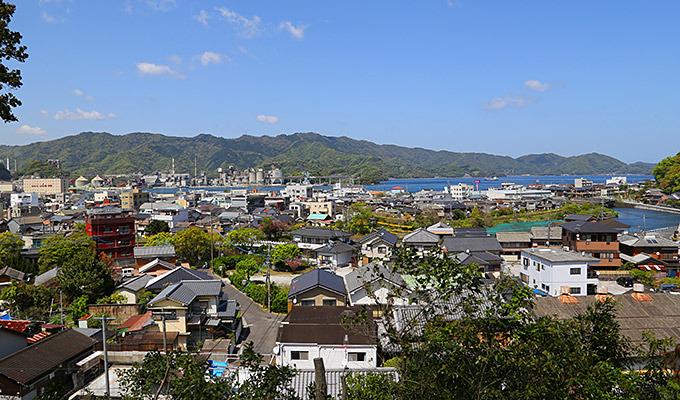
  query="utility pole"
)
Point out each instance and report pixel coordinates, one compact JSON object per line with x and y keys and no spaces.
{"x":61,"y":309}
{"x":164,"y":315}
{"x":104,"y":320}
{"x":269,"y":290}
{"x":320,"y":387}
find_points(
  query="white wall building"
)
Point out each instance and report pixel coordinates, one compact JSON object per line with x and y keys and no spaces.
{"x":460,"y":191}
{"x":299,"y":191}
{"x":19,"y":200}
{"x":555,"y":271}
{"x":171,"y":213}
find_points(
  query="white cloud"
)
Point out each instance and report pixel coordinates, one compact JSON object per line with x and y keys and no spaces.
{"x":44,"y":113}
{"x":248,"y":27}
{"x":202,"y":17}
{"x":78,"y":92}
{"x":210,"y":57}
{"x":175,"y":59}
{"x":79,"y":114}
{"x":50,"y":19}
{"x":31,"y":130}
{"x":297,"y":32}
{"x":146,"y":68}
{"x":500,"y":103}
{"x":536,"y":85}
{"x":268,"y":119}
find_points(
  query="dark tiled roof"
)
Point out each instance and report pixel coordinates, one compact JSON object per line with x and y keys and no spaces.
{"x":369,"y":273}
{"x":588,"y":227}
{"x":473,"y":244}
{"x":324,"y":325}
{"x":176,"y":275}
{"x":37,"y":360}
{"x":185,"y":292}
{"x":421,"y":236}
{"x":154,"y":251}
{"x":383,"y":234}
{"x":137,"y":283}
{"x":320,"y":233}
{"x":335,"y":248}
{"x":660,"y":316}
{"x":317,"y":278}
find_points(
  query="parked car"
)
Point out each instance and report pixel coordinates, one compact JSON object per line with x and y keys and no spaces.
{"x":625,"y":281}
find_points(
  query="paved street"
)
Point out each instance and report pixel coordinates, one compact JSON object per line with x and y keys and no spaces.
{"x":262,"y":324}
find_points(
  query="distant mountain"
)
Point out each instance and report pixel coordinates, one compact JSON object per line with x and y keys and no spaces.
{"x":91,"y":153}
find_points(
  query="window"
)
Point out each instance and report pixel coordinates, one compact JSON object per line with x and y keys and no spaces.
{"x":575,"y":271}
{"x":574,"y":290}
{"x":329,"y":302}
{"x":299,"y":355}
{"x":355,"y":356}
{"x":308,"y":303}
{"x":525,"y":262}
{"x":124,"y":230}
{"x":382,"y":250}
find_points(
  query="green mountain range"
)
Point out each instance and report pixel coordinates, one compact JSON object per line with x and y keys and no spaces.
{"x":91,"y":153}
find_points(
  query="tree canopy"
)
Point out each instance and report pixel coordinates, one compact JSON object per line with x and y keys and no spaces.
{"x":10,"y":249}
{"x":11,"y":49}
{"x":667,"y":174}
{"x":155,"y":227}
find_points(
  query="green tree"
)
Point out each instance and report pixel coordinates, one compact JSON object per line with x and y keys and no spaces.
{"x":10,"y":49}
{"x":272,"y":228}
{"x":160,"y":239}
{"x":193,"y":245}
{"x":27,"y":301}
{"x":78,"y":308}
{"x":359,"y":218}
{"x":155,"y":227}
{"x":244,"y":237}
{"x":10,"y":250}
{"x":60,"y":251}
{"x":89,"y":278}
{"x":283,"y":253}
{"x":371,"y":387}
{"x":667,"y":174}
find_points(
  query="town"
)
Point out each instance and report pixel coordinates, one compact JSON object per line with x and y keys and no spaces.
{"x":99,"y":272}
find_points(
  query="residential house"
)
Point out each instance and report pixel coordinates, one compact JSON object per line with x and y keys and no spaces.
{"x":155,"y":267}
{"x":313,"y":238}
{"x":375,"y":283}
{"x":594,"y":239}
{"x":194,"y":305}
{"x":657,"y":247}
{"x":335,"y":255}
{"x":548,"y":236}
{"x":455,"y":245}
{"x":156,"y":283}
{"x":173,"y":214}
{"x":145,"y":254}
{"x":513,"y":243}
{"x":440,"y":229}
{"x":9,"y":275}
{"x":556,"y":272}
{"x":488,"y":263}
{"x":421,"y":240}
{"x":318,"y":332}
{"x":377,"y":245}
{"x":317,"y":288}
{"x":27,"y":373}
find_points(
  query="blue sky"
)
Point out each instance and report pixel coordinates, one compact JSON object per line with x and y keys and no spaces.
{"x":507,"y":77}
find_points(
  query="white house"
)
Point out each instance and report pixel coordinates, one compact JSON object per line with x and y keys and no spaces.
{"x":378,"y":245}
{"x":171,"y":213}
{"x":335,"y":255}
{"x":311,"y":332}
{"x":556,"y":272}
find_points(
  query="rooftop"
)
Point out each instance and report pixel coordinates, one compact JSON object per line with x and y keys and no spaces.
{"x":559,"y":255}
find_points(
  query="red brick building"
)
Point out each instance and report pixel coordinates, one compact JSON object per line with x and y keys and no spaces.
{"x":113,"y":229}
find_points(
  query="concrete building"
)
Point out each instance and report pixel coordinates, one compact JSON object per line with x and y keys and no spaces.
{"x":556,"y":272}
{"x":44,"y":186}
{"x":133,"y":199}
{"x":460,"y":191}
{"x":171,"y":213}
{"x":300,"y":192}
{"x":113,"y":230}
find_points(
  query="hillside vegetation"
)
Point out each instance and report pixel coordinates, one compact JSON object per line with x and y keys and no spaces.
{"x":90,"y":153}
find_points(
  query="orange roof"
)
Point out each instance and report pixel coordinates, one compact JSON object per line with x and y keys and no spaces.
{"x":15,"y":325}
{"x":136,"y":322}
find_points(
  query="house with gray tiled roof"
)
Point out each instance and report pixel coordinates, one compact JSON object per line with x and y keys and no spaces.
{"x":421,"y":240}
{"x":376,"y":283}
{"x":378,"y":245}
{"x":335,"y":255}
{"x":317,"y":288}
{"x":193,"y":304}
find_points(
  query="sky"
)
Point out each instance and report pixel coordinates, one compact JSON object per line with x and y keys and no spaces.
{"x":508,"y":77}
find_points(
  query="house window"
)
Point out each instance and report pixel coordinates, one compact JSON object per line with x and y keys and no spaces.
{"x":356,"y":356}
{"x":526,"y":262}
{"x":330,"y":302}
{"x":124,"y":230}
{"x":574,"y":290}
{"x":299,"y":355}
{"x":308,"y":303}
{"x":382,"y":250}
{"x":575,"y":271}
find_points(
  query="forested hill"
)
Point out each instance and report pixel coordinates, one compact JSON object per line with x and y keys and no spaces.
{"x":91,"y":153}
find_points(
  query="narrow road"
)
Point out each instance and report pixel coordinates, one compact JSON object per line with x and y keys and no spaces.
{"x":262,"y":325}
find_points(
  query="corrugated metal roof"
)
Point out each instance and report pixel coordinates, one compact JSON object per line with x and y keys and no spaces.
{"x":154,"y":251}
